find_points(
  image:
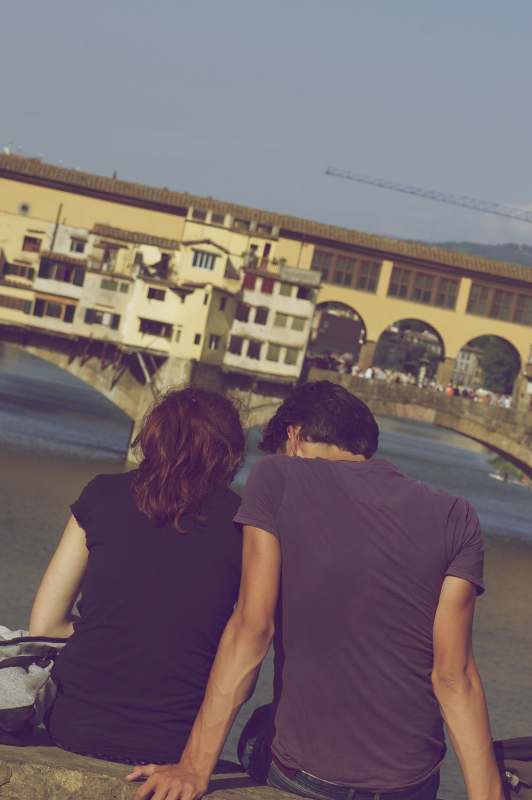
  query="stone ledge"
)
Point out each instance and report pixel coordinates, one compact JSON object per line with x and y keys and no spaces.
{"x":48,"y":773}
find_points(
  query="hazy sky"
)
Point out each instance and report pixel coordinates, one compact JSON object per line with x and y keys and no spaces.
{"x":250,"y":100}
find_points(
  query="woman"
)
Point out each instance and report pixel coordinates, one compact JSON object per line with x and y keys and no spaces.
{"x":157,"y":559}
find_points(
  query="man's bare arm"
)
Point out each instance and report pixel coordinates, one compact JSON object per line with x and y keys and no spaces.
{"x":243,"y":646}
{"x":459,"y":691}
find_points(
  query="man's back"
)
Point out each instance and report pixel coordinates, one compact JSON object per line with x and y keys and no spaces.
{"x":364,"y":554}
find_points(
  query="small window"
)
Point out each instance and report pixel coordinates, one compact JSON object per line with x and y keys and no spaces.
{"x":303,"y":293}
{"x":261,"y":316}
{"x":54,"y":310}
{"x":298,"y":323}
{"x":124,"y":288}
{"x":154,"y":294}
{"x":254,"y":349}
{"x":242,"y":312}
{"x":285,"y":289}
{"x":69,"y":313}
{"x":203,"y":260}
{"x":198,"y":215}
{"x":399,"y":282}
{"x":77,"y":246}
{"x":273,"y":352}
{"x":265,"y":230}
{"x":280,"y":320}
{"x":155,"y":328}
{"x":197,"y":338}
{"x":235,"y":345}
{"x":241,"y":224}
{"x":214,"y":341}
{"x":369,"y":275}
{"x":206,"y":299}
{"x":267,"y":286}
{"x":223,"y":303}
{"x":249,"y":282}
{"x":218,"y":219}
{"x":291,"y":356}
{"x":178,"y":334}
{"x":109,"y":284}
{"x":31,"y":244}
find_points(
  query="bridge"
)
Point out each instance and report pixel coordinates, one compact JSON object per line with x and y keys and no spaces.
{"x":506,"y":431}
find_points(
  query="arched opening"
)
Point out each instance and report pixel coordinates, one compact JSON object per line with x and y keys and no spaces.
{"x":487,"y":366}
{"x":337,"y":334}
{"x":410,"y":347}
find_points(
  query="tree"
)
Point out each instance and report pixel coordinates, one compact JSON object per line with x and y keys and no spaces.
{"x":500,"y":365}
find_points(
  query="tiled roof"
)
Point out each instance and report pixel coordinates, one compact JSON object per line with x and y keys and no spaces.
{"x":19,"y":168}
{"x":136,"y":238}
{"x":62,"y":258}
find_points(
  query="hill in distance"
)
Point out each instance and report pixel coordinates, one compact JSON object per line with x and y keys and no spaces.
{"x":513,"y":253}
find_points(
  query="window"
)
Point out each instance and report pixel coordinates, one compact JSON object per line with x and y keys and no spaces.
{"x":242,"y":312}
{"x":273,"y":352}
{"x":298,"y":323}
{"x":48,"y":308}
{"x":235,"y":345}
{"x":280,"y":320}
{"x":18,"y":269}
{"x":109,"y":284}
{"x":303,"y":293}
{"x":344,"y":271}
{"x":446,"y":294}
{"x":267,"y":286}
{"x":204,"y":260}
{"x":423,"y":286}
{"x":16,"y":303}
{"x":322,"y":262}
{"x":500,"y":305}
{"x":241,"y":224}
{"x":197,"y":338}
{"x":399,"y":282}
{"x":198,"y":215}
{"x":178,"y":334}
{"x":31,"y":244}
{"x":223,"y":303}
{"x":265,"y":230}
{"x":291,"y":356}
{"x":249,"y":282}
{"x":478,"y":297}
{"x":368,"y":276}
{"x":77,"y":245}
{"x":155,"y":328}
{"x":155,"y":294}
{"x":523,"y":310}
{"x":254,"y":349}
{"x":61,"y":272}
{"x":218,"y":219}
{"x":285,"y":289}
{"x":206,"y":299}
{"x":95,"y":317}
{"x":214,"y":341}
{"x":124,"y":288}
{"x":261,"y":316}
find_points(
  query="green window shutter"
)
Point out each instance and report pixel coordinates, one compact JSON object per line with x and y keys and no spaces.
{"x":115,"y":322}
{"x":27,"y":307}
{"x":31,"y":274}
{"x":38,"y":308}
{"x":88,"y":316}
{"x":45,"y":269}
{"x":79,"y":276}
{"x":69,"y":313}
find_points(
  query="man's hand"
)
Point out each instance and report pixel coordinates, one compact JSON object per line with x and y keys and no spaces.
{"x":169,"y":782}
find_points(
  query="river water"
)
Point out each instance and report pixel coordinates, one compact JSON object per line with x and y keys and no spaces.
{"x":56,"y":434}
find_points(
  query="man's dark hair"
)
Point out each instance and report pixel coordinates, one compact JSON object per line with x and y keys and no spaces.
{"x":327,"y":414}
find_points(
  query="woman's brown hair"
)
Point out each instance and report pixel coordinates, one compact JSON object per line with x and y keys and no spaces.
{"x":191,"y":442}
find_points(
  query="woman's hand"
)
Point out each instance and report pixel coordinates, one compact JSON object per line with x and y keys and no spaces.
{"x":169,"y":782}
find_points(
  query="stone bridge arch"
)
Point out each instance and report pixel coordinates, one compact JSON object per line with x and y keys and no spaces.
{"x":404,"y":342}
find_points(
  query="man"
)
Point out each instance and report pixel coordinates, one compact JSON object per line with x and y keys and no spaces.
{"x":369,"y":579}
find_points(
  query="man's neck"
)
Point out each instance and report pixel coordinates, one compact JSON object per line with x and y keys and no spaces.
{"x":328,"y":451}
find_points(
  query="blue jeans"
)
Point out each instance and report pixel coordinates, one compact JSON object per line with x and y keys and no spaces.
{"x":255,"y":755}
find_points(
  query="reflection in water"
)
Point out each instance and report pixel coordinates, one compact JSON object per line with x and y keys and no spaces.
{"x":56,"y":434}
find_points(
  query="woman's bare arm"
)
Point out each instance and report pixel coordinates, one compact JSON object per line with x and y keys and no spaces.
{"x":52,"y":610}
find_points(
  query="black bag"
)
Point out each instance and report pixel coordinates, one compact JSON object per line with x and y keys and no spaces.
{"x":514,"y":759}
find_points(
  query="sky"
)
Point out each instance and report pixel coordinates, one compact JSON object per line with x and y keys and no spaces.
{"x":249,"y":101}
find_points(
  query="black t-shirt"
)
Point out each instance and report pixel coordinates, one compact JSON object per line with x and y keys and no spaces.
{"x":154,"y":605}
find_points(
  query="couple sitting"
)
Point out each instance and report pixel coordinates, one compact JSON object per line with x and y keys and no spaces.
{"x":364,"y":578}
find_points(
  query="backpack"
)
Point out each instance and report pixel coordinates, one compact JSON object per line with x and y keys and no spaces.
{"x":514,"y":759}
{"x":27,"y":689}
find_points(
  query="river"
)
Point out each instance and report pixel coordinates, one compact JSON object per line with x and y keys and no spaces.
{"x":56,"y":434}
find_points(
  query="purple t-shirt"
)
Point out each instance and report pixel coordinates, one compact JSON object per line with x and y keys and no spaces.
{"x":365,"y":550}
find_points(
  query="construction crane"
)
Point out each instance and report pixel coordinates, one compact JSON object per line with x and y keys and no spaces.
{"x":453,"y":199}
